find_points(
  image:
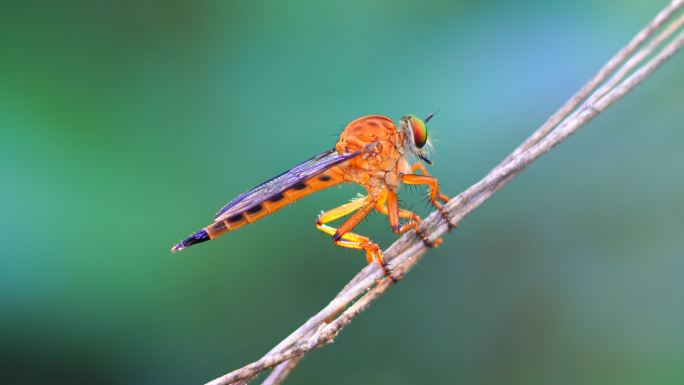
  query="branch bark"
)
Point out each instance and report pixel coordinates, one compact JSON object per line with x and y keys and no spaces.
{"x":628,"y":70}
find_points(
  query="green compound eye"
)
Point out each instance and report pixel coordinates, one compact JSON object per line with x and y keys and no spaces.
{"x":420,"y":133}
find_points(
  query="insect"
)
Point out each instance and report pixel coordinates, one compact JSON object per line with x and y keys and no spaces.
{"x":372,"y":153}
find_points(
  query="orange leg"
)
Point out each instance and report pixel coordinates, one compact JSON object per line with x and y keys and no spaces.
{"x":421,"y":167}
{"x":390,"y":207}
{"x":432,"y":183}
{"x":342,"y":236}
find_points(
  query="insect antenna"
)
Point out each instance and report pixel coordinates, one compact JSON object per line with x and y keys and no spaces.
{"x":430,"y":116}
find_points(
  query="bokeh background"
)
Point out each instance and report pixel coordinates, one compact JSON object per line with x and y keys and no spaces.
{"x":125,"y":125}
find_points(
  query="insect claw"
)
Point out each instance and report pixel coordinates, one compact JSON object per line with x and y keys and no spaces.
{"x":445,"y":216}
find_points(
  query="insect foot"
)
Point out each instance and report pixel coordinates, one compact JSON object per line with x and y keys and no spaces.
{"x":373,"y":250}
{"x":423,"y":235}
{"x":445,"y":215}
{"x":433,"y":244}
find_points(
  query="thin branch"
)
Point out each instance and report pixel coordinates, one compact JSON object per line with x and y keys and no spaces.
{"x":636,"y":59}
{"x":662,"y":17}
{"x":280,"y":372}
{"x":370,"y":282}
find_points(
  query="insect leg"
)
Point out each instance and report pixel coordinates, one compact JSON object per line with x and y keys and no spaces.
{"x":432,"y":183}
{"x":339,"y":212}
{"x":342,"y":211}
{"x":418,"y":166}
{"x":342,"y":236}
{"x":392,"y":210}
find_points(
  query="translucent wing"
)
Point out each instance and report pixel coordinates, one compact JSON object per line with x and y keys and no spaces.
{"x":283,"y":182}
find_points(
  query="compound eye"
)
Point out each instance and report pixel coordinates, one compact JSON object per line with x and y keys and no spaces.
{"x":419,"y":131}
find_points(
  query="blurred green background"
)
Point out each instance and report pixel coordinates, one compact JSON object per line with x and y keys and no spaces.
{"x":124,"y":126}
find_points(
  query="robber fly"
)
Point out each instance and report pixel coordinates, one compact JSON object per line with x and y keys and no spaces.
{"x":372,"y":153}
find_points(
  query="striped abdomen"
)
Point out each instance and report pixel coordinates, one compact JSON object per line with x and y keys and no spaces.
{"x":265,"y":205}
{"x":275,"y":202}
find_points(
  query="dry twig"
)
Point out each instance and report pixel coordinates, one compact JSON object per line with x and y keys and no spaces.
{"x":628,"y":71}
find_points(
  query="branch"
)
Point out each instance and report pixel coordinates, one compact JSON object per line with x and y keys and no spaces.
{"x":661,"y":18}
{"x":370,"y":282}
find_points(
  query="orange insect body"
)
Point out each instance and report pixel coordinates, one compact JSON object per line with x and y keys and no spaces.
{"x":381,"y":166}
{"x":372,"y":153}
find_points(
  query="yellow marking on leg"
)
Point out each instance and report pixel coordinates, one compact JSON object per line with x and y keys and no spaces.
{"x":343,"y":237}
{"x":342,"y":211}
{"x":347,"y":237}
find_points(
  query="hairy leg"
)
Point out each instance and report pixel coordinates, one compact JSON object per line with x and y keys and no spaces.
{"x":390,"y":207}
{"x":431,"y":182}
{"x":418,"y":166}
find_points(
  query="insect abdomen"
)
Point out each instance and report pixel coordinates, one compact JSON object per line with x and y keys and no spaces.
{"x":270,"y":205}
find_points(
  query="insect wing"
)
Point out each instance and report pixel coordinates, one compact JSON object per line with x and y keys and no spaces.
{"x":283,"y":182}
